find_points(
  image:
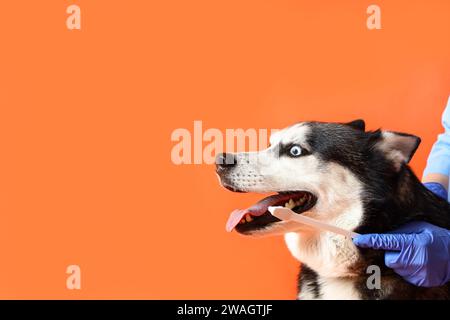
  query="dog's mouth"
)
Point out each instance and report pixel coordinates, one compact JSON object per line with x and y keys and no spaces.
{"x":258,"y":217}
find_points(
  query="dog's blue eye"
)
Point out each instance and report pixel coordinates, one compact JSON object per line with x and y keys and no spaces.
{"x":295,"y":151}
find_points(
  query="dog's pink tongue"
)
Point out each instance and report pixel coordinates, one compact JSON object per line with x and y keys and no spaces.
{"x":234,"y":219}
{"x":255,"y":210}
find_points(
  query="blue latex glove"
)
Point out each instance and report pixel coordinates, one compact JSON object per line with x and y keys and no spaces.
{"x":437,"y":188}
{"x":418,"y":251}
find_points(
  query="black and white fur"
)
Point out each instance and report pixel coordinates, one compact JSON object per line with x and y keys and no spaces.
{"x":362,"y":183}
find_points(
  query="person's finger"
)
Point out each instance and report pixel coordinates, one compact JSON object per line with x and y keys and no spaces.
{"x":391,"y":260}
{"x":383,"y":241}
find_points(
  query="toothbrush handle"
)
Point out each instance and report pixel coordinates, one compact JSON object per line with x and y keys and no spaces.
{"x":287,"y":214}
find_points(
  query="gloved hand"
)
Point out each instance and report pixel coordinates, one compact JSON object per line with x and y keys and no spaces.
{"x":437,"y":188}
{"x":418,"y":251}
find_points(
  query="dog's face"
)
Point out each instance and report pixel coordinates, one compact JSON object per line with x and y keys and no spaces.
{"x":322,"y":170}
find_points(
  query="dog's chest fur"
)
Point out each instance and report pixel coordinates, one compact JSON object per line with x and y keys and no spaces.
{"x":331,"y":257}
{"x":324,"y":288}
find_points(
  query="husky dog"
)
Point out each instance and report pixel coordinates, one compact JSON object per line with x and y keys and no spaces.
{"x":345,"y":176}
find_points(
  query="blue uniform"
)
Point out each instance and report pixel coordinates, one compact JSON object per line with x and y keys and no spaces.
{"x":439,"y":158}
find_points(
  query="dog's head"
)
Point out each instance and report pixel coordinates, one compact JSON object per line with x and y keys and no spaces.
{"x":323,"y":170}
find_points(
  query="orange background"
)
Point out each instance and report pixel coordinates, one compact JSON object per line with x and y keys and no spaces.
{"x":86,"y":117}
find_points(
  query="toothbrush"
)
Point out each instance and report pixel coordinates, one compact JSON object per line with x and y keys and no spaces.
{"x":286,"y":214}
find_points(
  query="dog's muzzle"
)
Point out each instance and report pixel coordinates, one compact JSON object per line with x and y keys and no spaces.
{"x":225,"y":162}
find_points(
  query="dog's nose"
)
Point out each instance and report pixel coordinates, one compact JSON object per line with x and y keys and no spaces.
{"x":225,"y":161}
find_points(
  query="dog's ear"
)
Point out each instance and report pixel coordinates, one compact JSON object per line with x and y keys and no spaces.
{"x":357,"y":124}
{"x":398,"y":147}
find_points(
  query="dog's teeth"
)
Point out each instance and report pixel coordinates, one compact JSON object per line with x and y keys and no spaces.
{"x":303,"y":199}
{"x":290,"y":204}
{"x":248,"y":217}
